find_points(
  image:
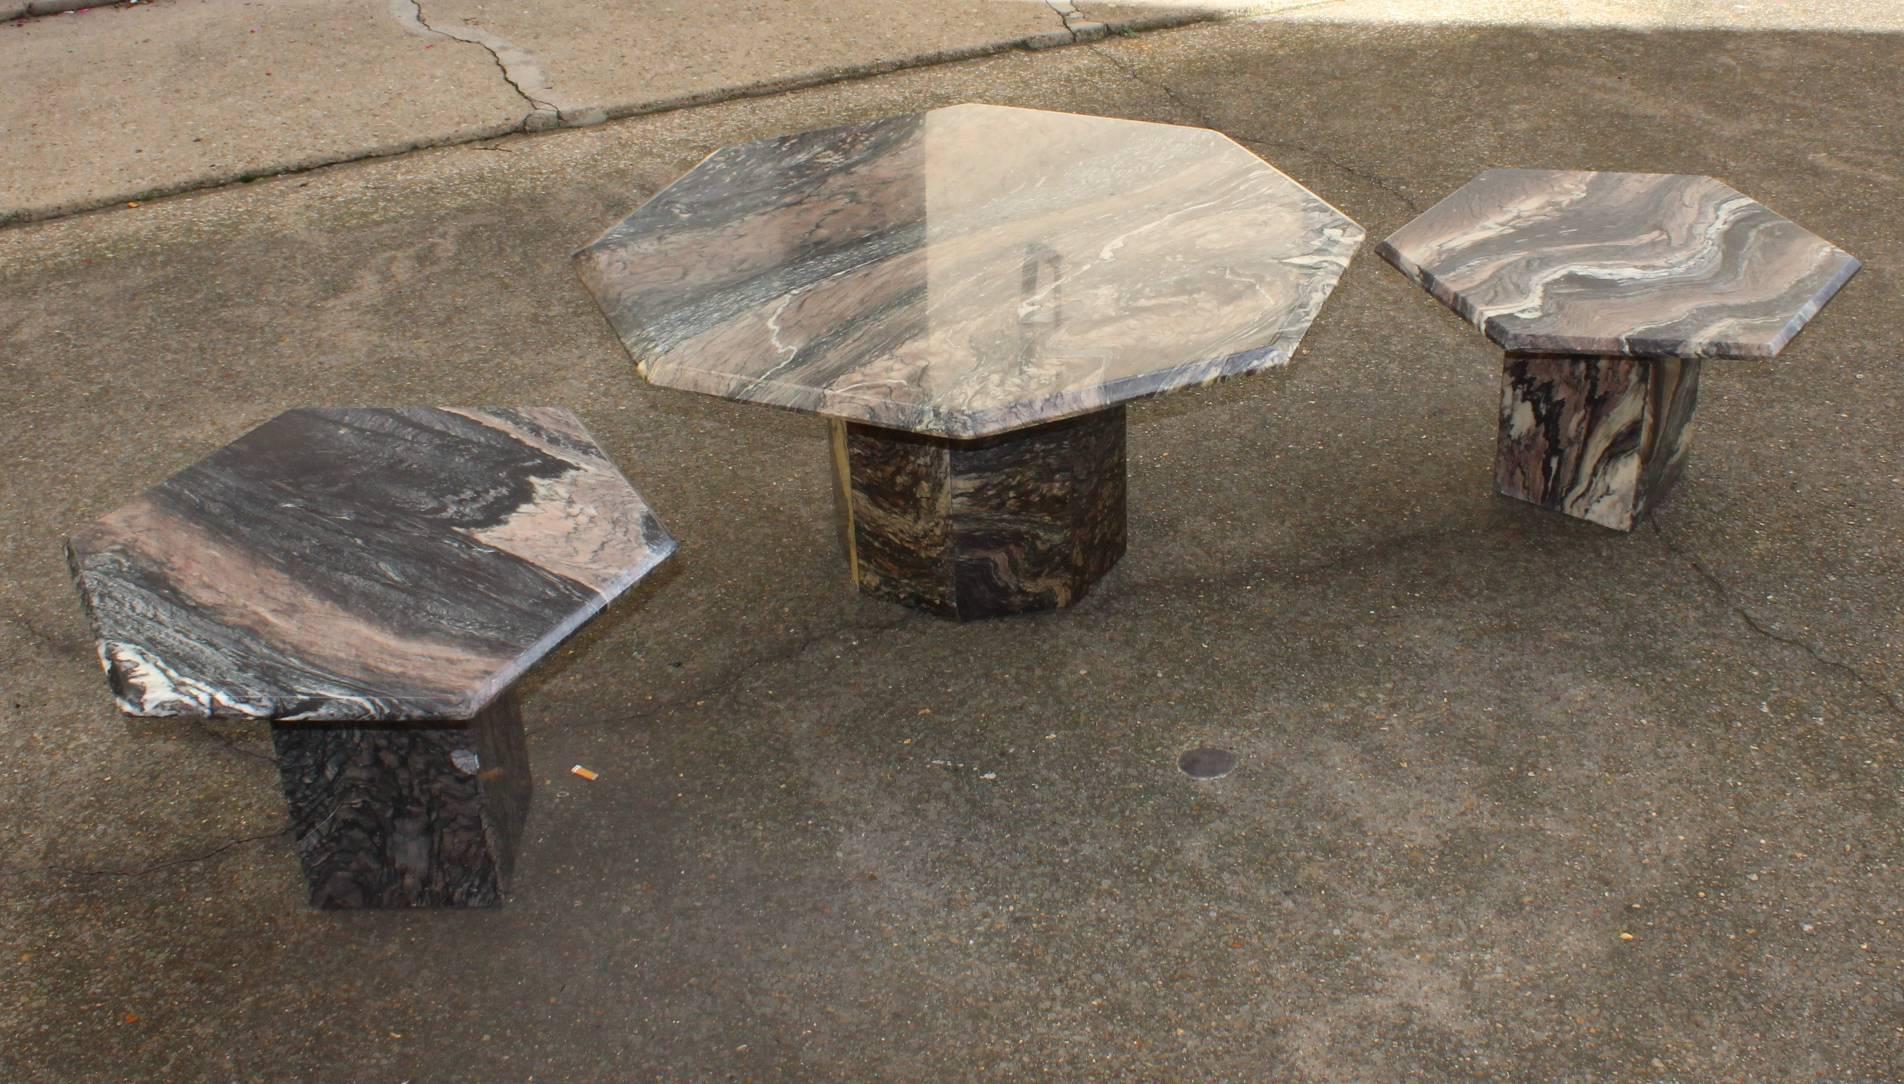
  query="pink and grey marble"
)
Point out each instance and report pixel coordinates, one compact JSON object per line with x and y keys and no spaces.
{"x":344,"y":564}
{"x":1640,"y":264}
{"x":372,"y":582}
{"x":945,"y":286}
{"x":970,"y":270}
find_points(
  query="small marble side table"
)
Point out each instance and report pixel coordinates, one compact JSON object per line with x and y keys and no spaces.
{"x":970,"y":295}
{"x":1607,"y":291}
{"x":372,"y":582}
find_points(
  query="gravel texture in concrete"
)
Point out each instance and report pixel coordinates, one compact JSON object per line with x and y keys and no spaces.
{"x":1516,"y":798}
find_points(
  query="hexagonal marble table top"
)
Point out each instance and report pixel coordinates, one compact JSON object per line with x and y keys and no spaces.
{"x":969,"y":270}
{"x":1642,"y":264}
{"x":361,"y":564}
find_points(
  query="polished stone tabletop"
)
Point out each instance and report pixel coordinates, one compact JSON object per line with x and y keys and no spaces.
{"x":361,"y":564}
{"x":1643,"y":264}
{"x":969,"y":270}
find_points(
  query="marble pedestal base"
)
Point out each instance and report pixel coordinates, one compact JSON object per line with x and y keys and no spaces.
{"x":407,"y":814}
{"x":1024,"y":521}
{"x":1599,"y":438}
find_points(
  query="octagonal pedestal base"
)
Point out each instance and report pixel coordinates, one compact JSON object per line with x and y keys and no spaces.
{"x":1598,"y":438}
{"x":1024,"y":521}
{"x":407,"y":814}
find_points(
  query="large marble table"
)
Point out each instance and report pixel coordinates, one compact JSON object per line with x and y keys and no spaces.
{"x":970,"y":295}
{"x":1607,"y":291}
{"x":372,"y":582}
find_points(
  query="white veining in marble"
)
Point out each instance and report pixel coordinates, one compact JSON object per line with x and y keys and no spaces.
{"x":969,"y":270}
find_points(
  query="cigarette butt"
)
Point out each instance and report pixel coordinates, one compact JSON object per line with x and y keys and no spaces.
{"x":578,"y":770}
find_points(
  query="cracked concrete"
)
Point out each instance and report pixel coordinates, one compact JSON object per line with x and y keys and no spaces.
{"x":518,"y":66}
{"x":208,"y":92}
{"x":1752,"y":621}
{"x":149,"y":868}
{"x":1077,"y":26}
{"x":1518,"y":798}
{"x":215,"y":91}
{"x":1190,"y":113}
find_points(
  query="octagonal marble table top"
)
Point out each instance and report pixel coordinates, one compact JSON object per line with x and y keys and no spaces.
{"x":969,"y":270}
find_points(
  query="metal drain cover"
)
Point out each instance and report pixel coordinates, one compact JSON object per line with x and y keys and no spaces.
{"x":1207,"y":763}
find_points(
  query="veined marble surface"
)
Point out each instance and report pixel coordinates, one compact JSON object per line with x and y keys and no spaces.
{"x":1602,"y":439}
{"x":1640,"y":264}
{"x":361,"y":564}
{"x":971,"y":529}
{"x":969,"y":270}
{"x":408,"y":816}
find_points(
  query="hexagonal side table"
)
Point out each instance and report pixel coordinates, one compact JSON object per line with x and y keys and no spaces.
{"x":970,"y":295}
{"x":372,"y":582}
{"x":1607,"y":290}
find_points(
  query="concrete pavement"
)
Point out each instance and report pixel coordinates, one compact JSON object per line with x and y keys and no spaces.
{"x":128,"y":102}
{"x":1482,"y":747}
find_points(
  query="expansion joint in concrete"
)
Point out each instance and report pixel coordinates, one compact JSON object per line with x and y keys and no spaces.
{"x":1078,"y":25}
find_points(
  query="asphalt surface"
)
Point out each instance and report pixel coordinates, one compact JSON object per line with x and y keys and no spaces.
{"x":1517,"y":798}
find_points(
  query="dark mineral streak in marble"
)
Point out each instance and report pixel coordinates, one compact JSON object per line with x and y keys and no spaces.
{"x":1602,"y":439}
{"x":397,"y":815}
{"x":971,"y":529}
{"x":358,"y":564}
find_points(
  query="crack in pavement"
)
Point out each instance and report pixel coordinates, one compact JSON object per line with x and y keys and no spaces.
{"x":1130,"y":72}
{"x":1080,"y":26}
{"x":141,"y":871}
{"x":518,"y":66}
{"x":1195,"y":113}
{"x":550,"y":109}
{"x":1726,"y":596}
{"x":1371,"y":179}
{"x":726,"y":680}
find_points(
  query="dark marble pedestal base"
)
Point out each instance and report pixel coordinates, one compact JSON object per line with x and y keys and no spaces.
{"x":407,"y":814}
{"x":979,"y":528}
{"x":1599,"y":438}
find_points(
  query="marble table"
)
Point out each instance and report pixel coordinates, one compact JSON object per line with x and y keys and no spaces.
{"x":372,"y":583}
{"x":970,"y":295}
{"x":1607,"y":291}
